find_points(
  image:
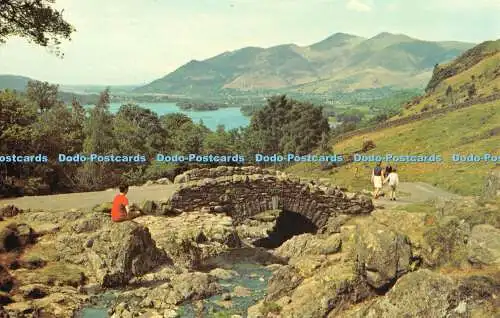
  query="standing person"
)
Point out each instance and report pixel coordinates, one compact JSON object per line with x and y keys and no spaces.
{"x":120,"y":210}
{"x":377,"y":179}
{"x":393,"y":179}
{"x":387,"y":170}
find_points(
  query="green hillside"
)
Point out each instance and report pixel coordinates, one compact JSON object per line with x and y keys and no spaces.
{"x":471,"y":130}
{"x":340,"y":62}
{"x":476,"y":73}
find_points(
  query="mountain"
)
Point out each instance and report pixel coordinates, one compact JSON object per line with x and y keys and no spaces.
{"x":19,"y":83}
{"x":13,"y":82}
{"x":340,"y":62}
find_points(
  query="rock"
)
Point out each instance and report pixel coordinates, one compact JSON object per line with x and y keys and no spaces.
{"x":334,"y":223}
{"x":330,"y":289}
{"x":149,"y":207}
{"x":181,"y":178}
{"x":417,"y":294}
{"x":226,"y":296}
{"x":6,"y":280}
{"x":383,"y":255}
{"x":484,"y":245}
{"x":223,"y":274}
{"x":240,"y":291}
{"x":194,"y":286}
{"x":192,"y":237}
{"x":122,"y":251}
{"x":16,"y":236}
{"x":93,"y":223}
{"x":170,"y":313}
{"x":34,"y":291}
{"x":5,"y":299}
{"x":282,"y":282}
{"x":9,"y":211}
{"x":163,"y":181}
{"x":103,"y":208}
{"x":445,"y":242}
{"x":148,"y":183}
{"x":309,"y":244}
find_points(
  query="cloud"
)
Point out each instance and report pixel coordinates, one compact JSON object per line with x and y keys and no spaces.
{"x":358,"y":5}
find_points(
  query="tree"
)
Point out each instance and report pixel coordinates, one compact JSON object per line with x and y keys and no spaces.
{"x":471,"y":91}
{"x":16,"y":119}
{"x":34,"y":20}
{"x":219,"y":142}
{"x":324,"y":144}
{"x":43,"y":94}
{"x":287,"y":125}
{"x":16,"y":132}
{"x":138,"y":131}
{"x":190,"y":138}
{"x":99,"y":139}
{"x":449,"y":93}
{"x":99,"y":128}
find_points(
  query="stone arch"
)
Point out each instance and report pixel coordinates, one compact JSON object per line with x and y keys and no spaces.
{"x":242,"y":196}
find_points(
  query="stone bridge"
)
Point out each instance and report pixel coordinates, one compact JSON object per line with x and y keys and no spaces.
{"x":243,"y":195}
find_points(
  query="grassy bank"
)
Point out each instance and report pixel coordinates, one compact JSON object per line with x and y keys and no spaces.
{"x":474,"y":130}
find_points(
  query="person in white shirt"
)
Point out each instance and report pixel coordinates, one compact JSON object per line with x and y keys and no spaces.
{"x":393,"y":180}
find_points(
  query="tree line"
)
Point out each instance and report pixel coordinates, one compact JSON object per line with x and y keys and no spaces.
{"x":37,"y":121}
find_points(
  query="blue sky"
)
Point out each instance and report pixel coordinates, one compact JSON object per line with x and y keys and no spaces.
{"x":135,"y":41}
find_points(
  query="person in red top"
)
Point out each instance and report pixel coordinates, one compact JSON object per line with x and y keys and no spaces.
{"x":120,"y":210}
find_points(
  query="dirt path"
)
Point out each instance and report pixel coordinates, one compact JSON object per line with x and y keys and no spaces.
{"x":409,"y":192}
{"x":415,"y":192}
{"x":87,"y":200}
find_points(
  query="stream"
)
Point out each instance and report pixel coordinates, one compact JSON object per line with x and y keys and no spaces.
{"x":251,"y":276}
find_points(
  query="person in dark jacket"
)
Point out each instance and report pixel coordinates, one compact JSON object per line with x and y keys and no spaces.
{"x":377,"y":179}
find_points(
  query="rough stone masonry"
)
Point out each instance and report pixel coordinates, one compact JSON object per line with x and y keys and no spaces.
{"x":242,"y":196}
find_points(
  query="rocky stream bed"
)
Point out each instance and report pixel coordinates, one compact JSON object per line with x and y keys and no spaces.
{"x":388,"y":263}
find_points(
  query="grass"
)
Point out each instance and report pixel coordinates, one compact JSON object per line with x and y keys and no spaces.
{"x":270,"y":307}
{"x":484,"y":79}
{"x":466,"y":131}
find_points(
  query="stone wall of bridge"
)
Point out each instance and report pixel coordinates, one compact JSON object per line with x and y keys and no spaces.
{"x":242,"y":196}
{"x":220,"y":171}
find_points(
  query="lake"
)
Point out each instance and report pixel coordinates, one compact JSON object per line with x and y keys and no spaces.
{"x":230,"y":117}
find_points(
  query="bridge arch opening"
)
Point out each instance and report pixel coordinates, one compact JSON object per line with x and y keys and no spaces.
{"x":288,"y":224}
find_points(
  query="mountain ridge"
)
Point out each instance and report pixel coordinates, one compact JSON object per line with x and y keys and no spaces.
{"x":341,"y":61}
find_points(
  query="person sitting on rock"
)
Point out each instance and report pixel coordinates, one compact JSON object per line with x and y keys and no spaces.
{"x":121,"y":210}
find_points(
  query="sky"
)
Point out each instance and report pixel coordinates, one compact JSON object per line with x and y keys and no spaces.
{"x":122,"y":42}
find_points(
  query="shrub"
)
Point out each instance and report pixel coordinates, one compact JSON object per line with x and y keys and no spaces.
{"x":270,"y":307}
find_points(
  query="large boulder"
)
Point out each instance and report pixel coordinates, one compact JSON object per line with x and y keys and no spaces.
{"x":428,"y":294}
{"x":122,"y":251}
{"x":383,"y":255}
{"x":445,"y":242}
{"x":484,"y":245}
{"x":329,"y":290}
{"x":283,"y":282}
{"x":309,"y":244}
{"x":16,"y":236}
{"x":192,"y":237}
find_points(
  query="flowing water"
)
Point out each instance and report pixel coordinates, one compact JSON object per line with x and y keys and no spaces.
{"x":251,"y":276}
